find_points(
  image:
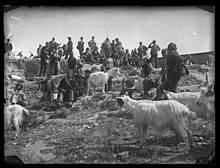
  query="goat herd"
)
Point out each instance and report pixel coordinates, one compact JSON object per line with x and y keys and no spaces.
{"x":167,"y":110}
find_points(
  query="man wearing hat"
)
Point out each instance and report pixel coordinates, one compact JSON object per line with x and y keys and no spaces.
{"x":69,"y":47}
{"x":80,"y":47}
{"x":19,"y":97}
{"x":175,"y":67}
{"x":154,"y":48}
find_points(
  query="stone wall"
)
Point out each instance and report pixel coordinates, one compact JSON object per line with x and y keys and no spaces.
{"x":26,"y":68}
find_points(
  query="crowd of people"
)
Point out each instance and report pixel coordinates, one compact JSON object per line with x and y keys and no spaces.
{"x":111,"y":54}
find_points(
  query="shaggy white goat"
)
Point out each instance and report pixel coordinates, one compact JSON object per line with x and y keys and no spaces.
{"x":100,"y":79}
{"x":13,"y":116}
{"x":160,"y":115}
{"x":190,"y":99}
{"x":207,"y":98}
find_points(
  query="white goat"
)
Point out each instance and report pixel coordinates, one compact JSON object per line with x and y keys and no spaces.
{"x":190,"y":100}
{"x":100,"y":79}
{"x":160,"y":115}
{"x":207,"y":98}
{"x":13,"y":116}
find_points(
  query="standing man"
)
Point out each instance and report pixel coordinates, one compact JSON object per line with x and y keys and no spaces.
{"x":71,"y":62}
{"x":39,"y":51}
{"x":142,"y":50}
{"x":92,"y":45}
{"x":43,"y":59}
{"x":80,"y":47}
{"x":146,"y":67}
{"x":154,"y":48}
{"x":53,"y":45}
{"x":113,"y":48}
{"x":118,"y":46}
{"x":54,"y":62}
{"x":175,"y":66}
{"x":8,"y":47}
{"x":69,"y":47}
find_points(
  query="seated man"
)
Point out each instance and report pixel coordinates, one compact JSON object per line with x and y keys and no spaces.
{"x":65,"y":89}
{"x":48,"y":90}
{"x":19,"y":97}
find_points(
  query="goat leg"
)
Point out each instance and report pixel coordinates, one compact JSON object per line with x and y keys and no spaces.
{"x":141,"y":134}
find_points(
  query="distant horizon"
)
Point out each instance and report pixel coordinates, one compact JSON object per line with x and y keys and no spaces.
{"x":192,"y":29}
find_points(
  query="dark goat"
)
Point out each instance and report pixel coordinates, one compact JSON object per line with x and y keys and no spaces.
{"x":160,"y":94}
{"x":148,"y":85}
{"x":128,"y":85}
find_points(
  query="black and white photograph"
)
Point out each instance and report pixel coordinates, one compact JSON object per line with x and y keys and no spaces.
{"x":109,"y":84}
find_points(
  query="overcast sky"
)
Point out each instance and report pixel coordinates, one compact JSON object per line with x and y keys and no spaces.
{"x":192,"y":29}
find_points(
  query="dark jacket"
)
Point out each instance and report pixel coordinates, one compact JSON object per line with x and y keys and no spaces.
{"x":64,"y":85}
{"x":154,"y":49}
{"x":142,"y":50}
{"x":72,"y":63}
{"x":8,"y":47}
{"x":70,"y":45}
{"x":175,"y":63}
{"x":44,"y":53}
{"x":80,"y":46}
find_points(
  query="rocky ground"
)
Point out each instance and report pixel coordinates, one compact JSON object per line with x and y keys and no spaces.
{"x":96,"y":130}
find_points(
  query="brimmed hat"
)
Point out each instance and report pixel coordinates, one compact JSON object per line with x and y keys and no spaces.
{"x":81,"y":37}
{"x":69,"y":37}
{"x":172,"y":46}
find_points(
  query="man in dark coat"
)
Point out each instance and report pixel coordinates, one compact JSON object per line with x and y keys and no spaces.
{"x":53,"y":45}
{"x":8,"y":47}
{"x":146,"y":67}
{"x":65,"y":89}
{"x":43,"y":59}
{"x":71,"y":62}
{"x":54,"y":62}
{"x":49,"y":88}
{"x":80,"y":47}
{"x":175,"y":67}
{"x":69,"y":47}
